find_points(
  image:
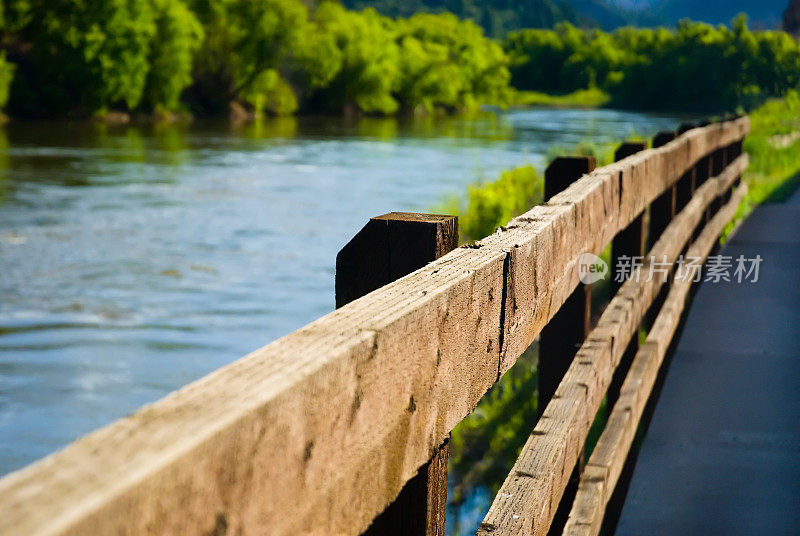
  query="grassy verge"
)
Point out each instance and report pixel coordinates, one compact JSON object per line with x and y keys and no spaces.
{"x":583,"y":98}
{"x":774,"y":148}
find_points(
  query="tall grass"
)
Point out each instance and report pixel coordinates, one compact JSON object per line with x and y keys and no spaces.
{"x":774,"y":148}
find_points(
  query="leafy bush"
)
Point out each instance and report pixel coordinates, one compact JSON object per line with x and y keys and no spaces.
{"x":493,"y":204}
{"x":178,"y":37}
{"x":6,"y":75}
{"x":91,"y":54}
{"x":448,"y":62}
{"x":246,"y":43}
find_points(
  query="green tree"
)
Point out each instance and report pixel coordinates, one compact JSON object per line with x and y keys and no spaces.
{"x":536,"y":59}
{"x":177,"y":39}
{"x":247,"y":44}
{"x":82,"y":57}
{"x":90,"y":54}
{"x":6,"y":76}
{"x":370,"y":60}
{"x":448,"y":62}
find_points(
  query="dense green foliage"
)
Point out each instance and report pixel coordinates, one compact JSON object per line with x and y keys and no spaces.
{"x":447,"y":62}
{"x":84,"y":57}
{"x":696,"y":66}
{"x":178,"y":37}
{"x":369,"y":57}
{"x":80,"y":57}
{"x":247,"y":43}
{"x":493,"y":204}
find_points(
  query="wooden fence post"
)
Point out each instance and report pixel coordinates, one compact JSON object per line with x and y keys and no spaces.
{"x":702,"y":172}
{"x":736,"y":150}
{"x":687,"y":184}
{"x":562,"y":336}
{"x":718,"y":163}
{"x":663,"y":208}
{"x":386,"y":249}
{"x":629,"y":243}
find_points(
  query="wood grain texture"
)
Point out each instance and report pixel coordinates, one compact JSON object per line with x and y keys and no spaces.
{"x":527,"y":500}
{"x":608,"y":458}
{"x":318,"y":431}
{"x":563,"y":334}
{"x":391,"y":246}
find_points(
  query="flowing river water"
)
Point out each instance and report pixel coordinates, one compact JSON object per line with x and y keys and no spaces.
{"x":134,"y":260}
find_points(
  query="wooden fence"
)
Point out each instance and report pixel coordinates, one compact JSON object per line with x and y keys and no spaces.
{"x":321,"y":430}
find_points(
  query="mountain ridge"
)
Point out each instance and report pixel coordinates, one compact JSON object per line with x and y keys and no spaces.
{"x":498,"y":17}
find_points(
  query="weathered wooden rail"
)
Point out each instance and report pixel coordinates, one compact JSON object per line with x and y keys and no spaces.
{"x":318,"y":432}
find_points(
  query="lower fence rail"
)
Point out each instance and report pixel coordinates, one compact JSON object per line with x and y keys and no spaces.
{"x":604,"y":467}
{"x":528,"y":499}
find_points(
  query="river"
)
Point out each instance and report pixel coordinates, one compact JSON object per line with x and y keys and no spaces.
{"x":134,"y":260}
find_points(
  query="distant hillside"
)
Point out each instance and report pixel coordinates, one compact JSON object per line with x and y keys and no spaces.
{"x":761,"y":13}
{"x":497,"y":17}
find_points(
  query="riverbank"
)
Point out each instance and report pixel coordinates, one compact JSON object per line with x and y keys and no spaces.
{"x":582,"y":98}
